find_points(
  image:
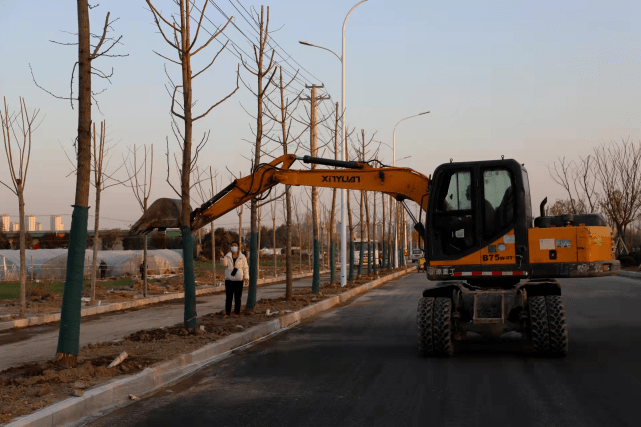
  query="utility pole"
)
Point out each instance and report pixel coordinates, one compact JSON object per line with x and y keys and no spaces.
{"x":313,"y":141}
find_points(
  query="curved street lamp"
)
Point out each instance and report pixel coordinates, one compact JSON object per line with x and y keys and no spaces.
{"x":344,"y":145}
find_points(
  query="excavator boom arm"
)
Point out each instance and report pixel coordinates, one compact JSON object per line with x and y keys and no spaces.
{"x":400,"y":183}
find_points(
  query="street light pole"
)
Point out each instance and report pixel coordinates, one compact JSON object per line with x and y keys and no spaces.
{"x":394,"y":164}
{"x":344,"y":145}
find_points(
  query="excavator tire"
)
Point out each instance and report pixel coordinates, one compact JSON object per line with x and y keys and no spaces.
{"x":539,"y":330}
{"x":424,"y":321}
{"x":556,"y":326}
{"x":442,"y":327}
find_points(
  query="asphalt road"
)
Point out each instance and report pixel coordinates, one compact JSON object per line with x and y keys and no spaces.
{"x":357,"y":366}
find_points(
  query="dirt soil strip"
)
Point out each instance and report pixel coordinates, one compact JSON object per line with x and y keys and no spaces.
{"x":100,"y":309}
{"x":117,"y":392}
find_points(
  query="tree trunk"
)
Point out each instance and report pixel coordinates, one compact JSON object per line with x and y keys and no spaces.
{"x":96,"y":237}
{"x":369,"y":240}
{"x":145,"y":265}
{"x":374,"y":243}
{"x":23,"y":258}
{"x":274,"y":243}
{"x":383,"y":232}
{"x":289,"y":277}
{"x":190,"y":316}
{"x":213,"y":253}
{"x":300,"y":250}
{"x":69,"y":335}
{"x":350,"y":275}
{"x":390,"y":246}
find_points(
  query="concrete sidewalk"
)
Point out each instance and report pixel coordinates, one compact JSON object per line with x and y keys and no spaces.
{"x":38,"y":343}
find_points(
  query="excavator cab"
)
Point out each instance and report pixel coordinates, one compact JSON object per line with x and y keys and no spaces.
{"x":480,"y":228}
{"x":478,"y":216}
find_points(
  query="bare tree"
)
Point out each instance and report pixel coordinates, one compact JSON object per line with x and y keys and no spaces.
{"x":579,"y":182}
{"x":140,"y":179}
{"x":69,"y":335}
{"x":185,"y":47}
{"x":264,"y":64}
{"x":619,"y":175}
{"x":285,"y":119}
{"x":103,"y":179}
{"x":17,"y":130}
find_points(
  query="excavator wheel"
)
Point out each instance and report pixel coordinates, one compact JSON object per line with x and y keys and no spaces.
{"x":547,"y":325}
{"x":556,"y":326}
{"x":434,"y":327}
{"x":424,"y":319}
{"x":442,"y":328}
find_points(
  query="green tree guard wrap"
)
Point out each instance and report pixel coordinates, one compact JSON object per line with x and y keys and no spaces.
{"x":369,"y":258}
{"x":350,"y":276}
{"x":69,"y":335}
{"x":375,"y":264}
{"x":360,"y":259}
{"x":332,"y":262}
{"x":189,"y":278}
{"x":316,"y":273}
{"x":253,"y":270}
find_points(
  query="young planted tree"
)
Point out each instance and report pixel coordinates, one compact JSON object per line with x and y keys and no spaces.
{"x":263,"y":69}
{"x":102,"y":179}
{"x":69,"y":336}
{"x":185,"y":48}
{"x":17,"y":129}
{"x":284,"y":118}
{"x":141,"y":178}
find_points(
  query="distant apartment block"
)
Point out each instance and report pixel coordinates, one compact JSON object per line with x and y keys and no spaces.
{"x":5,"y":222}
{"x":15,"y":226}
{"x":56,"y":223}
{"x":38,"y":226}
{"x":31,"y":223}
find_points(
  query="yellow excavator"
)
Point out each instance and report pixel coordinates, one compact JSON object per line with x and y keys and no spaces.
{"x":493,"y":265}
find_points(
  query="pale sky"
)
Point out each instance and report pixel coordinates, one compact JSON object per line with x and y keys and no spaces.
{"x":528,"y":80}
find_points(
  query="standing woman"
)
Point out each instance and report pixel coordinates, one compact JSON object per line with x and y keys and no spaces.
{"x":236,"y":272}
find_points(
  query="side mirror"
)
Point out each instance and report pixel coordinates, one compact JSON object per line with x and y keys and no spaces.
{"x":420,"y":229}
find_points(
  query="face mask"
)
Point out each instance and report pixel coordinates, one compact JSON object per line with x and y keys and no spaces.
{"x":234,"y":248}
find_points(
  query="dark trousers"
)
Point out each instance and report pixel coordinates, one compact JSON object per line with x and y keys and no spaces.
{"x":233,"y":289}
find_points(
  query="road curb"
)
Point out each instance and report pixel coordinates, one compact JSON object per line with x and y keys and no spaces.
{"x":119,"y":306}
{"x":631,"y":274}
{"x":149,"y":380}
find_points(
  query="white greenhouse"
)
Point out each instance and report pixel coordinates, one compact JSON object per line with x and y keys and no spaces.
{"x":51,"y":264}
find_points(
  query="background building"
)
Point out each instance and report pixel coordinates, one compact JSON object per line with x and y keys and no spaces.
{"x":38,"y":226}
{"x":15,"y":226}
{"x":31,"y":223}
{"x":5,"y":222}
{"x":56,"y":223}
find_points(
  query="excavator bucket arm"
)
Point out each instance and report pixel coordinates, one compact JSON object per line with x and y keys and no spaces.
{"x":400,"y":183}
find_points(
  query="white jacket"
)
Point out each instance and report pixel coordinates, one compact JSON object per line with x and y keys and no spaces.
{"x":241,"y":264}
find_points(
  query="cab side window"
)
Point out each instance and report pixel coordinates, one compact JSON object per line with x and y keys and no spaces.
{"x":499,"y":201}
{"x":459,"y":193}
{"x":454,"y":225}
